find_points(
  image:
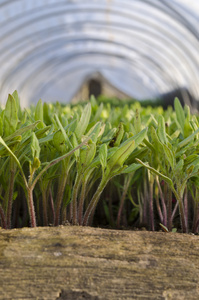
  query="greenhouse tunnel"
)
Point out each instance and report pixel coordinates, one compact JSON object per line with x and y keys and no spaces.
{"x":143,"y":48}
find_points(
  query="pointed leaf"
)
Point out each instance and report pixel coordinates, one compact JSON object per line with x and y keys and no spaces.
{"x":169,"y":155}
{"x":35,"y":148}
{"x":103,"y":155}
{"x":83,"y":122}
{"x":98,"y":113}
{"x":137,"y":121}
{"x":161,"y":132}
{"x":17,"y":101}
{"x":180,"y":115}
{"x":39,"y":113}
{"x":10,"y":116}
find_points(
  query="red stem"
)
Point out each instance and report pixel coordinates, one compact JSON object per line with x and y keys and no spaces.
{"x":31,"y":208}
{"x":151,"y":206}
{"x":10,"y":199}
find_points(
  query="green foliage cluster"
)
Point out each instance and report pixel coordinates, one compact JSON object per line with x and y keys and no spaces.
{"x":57,"y":162}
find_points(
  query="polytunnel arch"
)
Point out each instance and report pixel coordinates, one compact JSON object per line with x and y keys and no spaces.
{"x":143,"y":48}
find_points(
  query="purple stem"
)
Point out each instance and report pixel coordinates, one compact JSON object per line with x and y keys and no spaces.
{"x":151,"y":206}
{"x":10,"y":199}
{"x":158,"y":207}
{"x":126,"y":186}
{"x":169,"y":209}
{"x":186,"y":206}
{"x":31,"y":208}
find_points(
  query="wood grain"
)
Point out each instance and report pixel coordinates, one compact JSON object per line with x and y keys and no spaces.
{"x":71,"y":262}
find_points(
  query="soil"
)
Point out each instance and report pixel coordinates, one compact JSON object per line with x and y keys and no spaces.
{"x":74,"y":262}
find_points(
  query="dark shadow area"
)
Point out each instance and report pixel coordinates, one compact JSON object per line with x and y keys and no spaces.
{"x":95,"y":88}
{"x":183,"y":95}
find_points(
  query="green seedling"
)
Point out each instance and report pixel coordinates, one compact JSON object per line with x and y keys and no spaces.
{"x":63,"y":160}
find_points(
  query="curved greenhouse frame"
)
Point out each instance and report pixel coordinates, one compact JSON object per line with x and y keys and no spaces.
{"x":145,"y":48}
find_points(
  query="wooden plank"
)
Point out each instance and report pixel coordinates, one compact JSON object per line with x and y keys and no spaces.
{"x":71,"y":262}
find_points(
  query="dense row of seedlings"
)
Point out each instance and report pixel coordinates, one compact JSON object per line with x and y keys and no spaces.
{"x":57,"y":162}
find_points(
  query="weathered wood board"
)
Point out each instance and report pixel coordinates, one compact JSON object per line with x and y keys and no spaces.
{"x":70,"y":262}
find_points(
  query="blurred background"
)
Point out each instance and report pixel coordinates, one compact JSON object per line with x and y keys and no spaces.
{"x":66,"y":50}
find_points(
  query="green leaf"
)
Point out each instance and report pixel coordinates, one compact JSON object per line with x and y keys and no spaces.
{"x":103,"y":155}
{"x":36,"y":163}
{"x":94,"y":132}
{"x":109,"y":135}
{"x":161,"y":132}
{"x":15,"y":159}
{"x":194,"y":123}
{"x":21,"y":131}
{"x":188,"y":130}
{"x":194,"y":163}
{"x":17,"y":101}
{"x":57,"y":160}
{"x":93,"y":101}
{"x":138,"y":138}
{"x":175,"y":134}
{"x":187,"y":112}
{"x":138,"y":153}
{"x":189,"y":159}
{"x":188,"y":139}
{"x":156,"y":142}
{"x":87,"y":153}
{"x":137,"y":121}
{"x":98,"y":113}
{"x":180,"y":115}
{"x":118,"y":158}
{"x":165,"y":229}
{"x":63,"y":131}
{"x":35,"y":148}
{"x":46,"y":114}
{"x":59,"y":141}
{"x":179,"y":166}
{"x":75,"y":144}
{"x":115,"y":142}
{"x":149,"y":145}
{"x":169,"y":155}
{"x":83,"y":122}
{"x":12,"y":144}
{"x":132,"y":168}
{"x":10,"y":116}
{"x":1,"y":124}
{"x":72,"y":125}
{"x":39,"y":113}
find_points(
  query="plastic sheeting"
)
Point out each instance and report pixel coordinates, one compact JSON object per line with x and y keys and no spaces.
{"x":145,"y":48}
